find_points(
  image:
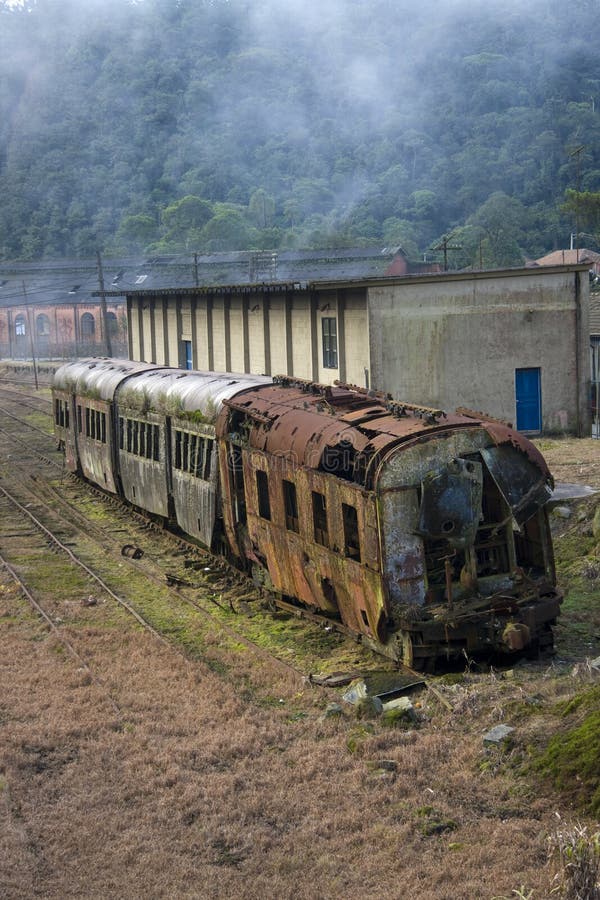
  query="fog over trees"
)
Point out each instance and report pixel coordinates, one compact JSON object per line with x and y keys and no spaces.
{"x":168,"y":126}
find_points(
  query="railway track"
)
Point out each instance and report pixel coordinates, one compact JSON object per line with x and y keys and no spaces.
{"x":178,"y":571}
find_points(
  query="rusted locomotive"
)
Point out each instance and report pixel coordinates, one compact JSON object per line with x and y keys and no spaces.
{"x":425,"y":534}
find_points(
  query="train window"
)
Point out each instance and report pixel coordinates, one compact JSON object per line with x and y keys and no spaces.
{"x":61,"y":413}
{"x":140,"y":438}
{"x":195,"y":455}
{"x":185,"y":452}
{"x":351,"y":535}
{"x":102,"y":427}
{"x":208,"y":447}
{"x":192,"y":452}
{"x":290,"y":503}
{"x":264,"y":501}
{"x":79,"y":421}
{"x":87,"y":421}
{"x":319,"y":507}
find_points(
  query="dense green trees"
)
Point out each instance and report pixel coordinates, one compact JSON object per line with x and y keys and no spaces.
{"x":203,"y":125}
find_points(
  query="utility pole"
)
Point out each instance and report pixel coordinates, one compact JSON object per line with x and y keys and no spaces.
{"x":31,"y":342}
{"x":103,"y":306}
{"x":577,"y":154}
{"x":445,"y":246}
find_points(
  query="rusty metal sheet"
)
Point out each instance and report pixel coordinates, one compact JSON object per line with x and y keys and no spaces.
{"x":502,"y":434}
{"x":451,"y":503}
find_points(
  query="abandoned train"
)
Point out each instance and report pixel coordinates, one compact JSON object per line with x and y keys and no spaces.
{"x":425,"y":534}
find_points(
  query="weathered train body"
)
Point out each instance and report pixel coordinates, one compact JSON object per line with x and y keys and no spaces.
{"x":425,"y":534}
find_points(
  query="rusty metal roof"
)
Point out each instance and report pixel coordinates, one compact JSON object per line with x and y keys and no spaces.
{"x":303,"y":424}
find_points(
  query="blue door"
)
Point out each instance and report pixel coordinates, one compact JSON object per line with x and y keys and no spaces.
{"x":528,"y":395}
{"x":187,"y":349}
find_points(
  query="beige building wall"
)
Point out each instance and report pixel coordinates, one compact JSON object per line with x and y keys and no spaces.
{"x":256,"y":336}
{"x":218,"y":335}
{"x":200,"y":347}
{"x":301,"y":337}
{"x":236,"y":332}
{"x":356,"y":328}
{"x":278,"y":336}
{"x":159,"y":333}
{"x":172,"y":347}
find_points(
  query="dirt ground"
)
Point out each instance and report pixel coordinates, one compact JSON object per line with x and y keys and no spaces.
{"x":168,"y":778}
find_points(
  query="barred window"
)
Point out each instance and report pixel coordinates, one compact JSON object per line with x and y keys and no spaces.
{"x":139,"y":438}
{"x":330,"y":353}
{"x":193,"y":454}
{"x":61,"y":413}
{"x":95,"y":424}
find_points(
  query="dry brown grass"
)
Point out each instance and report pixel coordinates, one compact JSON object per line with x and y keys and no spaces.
{"x":192,"y":792}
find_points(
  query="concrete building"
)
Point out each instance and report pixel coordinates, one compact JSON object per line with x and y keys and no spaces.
{"x":512,"y":343}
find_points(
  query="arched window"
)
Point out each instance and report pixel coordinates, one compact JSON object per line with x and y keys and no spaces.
{"x":88,"y":325}
{"x":43,"y":325}
{"x":20,"y":326}
{"x":111,"y":323}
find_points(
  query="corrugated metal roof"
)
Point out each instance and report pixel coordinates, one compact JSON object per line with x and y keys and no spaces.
{"x":76,"y":281}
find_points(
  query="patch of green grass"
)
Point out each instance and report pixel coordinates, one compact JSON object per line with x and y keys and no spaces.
{"x":570,"y":760}
{"x":432,"y":822}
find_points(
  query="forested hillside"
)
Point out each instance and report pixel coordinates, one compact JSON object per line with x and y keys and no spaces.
{"x":163,"y":126}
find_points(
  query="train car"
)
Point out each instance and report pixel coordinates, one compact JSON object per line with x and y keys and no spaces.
{"x":83,"y":393}
{"x":425,"y":534}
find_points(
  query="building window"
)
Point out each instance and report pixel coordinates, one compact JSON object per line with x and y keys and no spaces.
{"x":290,"y":503}
{"x":43,"y":325}
{"x":264,"y":501}
{"x":351,"y":535}
{"x":112,"y":323}
{"x":320,"y":519}
{"x":330,"y":353}
{"x":20,"y":329}
{"x":88,"y":325}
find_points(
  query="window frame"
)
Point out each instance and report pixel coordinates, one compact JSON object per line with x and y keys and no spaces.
{"x":329,"y":340}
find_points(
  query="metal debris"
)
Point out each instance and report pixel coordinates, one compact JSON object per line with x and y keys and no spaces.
{"x":132,"y":552}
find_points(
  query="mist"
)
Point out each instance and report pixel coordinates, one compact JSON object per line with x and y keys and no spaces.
{"x":360,"y":122}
